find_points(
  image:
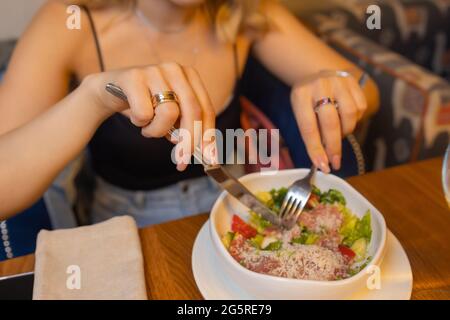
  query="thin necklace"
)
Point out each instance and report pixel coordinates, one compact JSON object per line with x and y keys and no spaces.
{"x":194,"y":50}
{"x":149,"y":24}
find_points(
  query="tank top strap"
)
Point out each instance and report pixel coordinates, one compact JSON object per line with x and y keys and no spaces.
{"x":236,"y":61}
{"x":96,"y":39}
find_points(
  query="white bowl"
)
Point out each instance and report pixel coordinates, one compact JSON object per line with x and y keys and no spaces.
{"x":263,"y":286}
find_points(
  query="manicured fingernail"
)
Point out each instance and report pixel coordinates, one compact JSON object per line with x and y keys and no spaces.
{"x":181,"y":167}
{"x":324,"y":167}
{"x":336,"y":162}
{"x":322,"y":164}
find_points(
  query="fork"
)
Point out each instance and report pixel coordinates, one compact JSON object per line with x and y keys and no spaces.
{"x":296,"y":199}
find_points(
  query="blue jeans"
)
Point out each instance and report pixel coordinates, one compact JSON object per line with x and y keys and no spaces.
{"x":176,"y":201}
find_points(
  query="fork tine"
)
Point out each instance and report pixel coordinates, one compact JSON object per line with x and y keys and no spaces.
{"x":295,"y":199}
{"x":297,"y":212}
{"x":289,"y":201}
{"x":291,"y":207}
{"x":294,"y":210}
{"x":283,"y":205}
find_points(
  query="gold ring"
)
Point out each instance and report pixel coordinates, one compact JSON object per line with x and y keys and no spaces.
{"x":164,"y":97}
{"x":325,"y":101}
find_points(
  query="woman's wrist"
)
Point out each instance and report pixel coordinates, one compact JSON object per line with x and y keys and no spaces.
{"x":92,"y":93}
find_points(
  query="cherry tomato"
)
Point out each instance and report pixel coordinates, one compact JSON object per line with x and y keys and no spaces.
{"x":238,"y":225}
{"x":346,"y":252}
{"x":313,"y":201}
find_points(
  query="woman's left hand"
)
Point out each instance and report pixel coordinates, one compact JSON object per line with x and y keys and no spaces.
{"x":322,"y":127}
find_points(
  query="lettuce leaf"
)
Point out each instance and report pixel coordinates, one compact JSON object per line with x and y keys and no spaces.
{"x":353,"y":228}
{"x":332,"y":196}
{"x":258,"y":222}
{"x":277,"y":198}
{"x":316,"y":191}
{"x":274,"y":246}
{"x":349,"y":222}
{"x":306,"y":237}
{"x":227,"y":238}
{"x":257,"y":240}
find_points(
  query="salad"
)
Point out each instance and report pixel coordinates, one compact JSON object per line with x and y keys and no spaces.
{"x":327,"y":243}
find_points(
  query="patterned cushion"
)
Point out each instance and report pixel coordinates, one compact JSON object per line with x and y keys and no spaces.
{"x":428,"y":29}
{"x":18,"y":234}
{"x":414,"y":118}
{"x":416,"y":29}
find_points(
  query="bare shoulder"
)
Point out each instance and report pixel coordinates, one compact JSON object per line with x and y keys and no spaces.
{"x":276,"y":17}
{"x":58,"y":37}
{"x":277,"y":12}
{"x":61,"y":14}
{"x":50,"y":31}
{"x":46,"y":49}
{"x":54,"y":16}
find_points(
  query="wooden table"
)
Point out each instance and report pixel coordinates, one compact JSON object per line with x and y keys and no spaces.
{"x":410,"y":198}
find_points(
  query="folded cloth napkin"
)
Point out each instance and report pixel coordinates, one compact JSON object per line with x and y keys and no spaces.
{"x":102,"y":261}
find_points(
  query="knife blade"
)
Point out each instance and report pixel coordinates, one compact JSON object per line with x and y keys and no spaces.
{"x":236,"y":189}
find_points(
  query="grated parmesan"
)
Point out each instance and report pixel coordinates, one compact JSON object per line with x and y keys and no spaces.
{"x":296,"y":261}
{"x":319,"y":261}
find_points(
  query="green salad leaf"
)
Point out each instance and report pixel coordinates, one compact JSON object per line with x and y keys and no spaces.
{"x":316,"y":191}
{"x":274,"y":246}
{"x":258,"y":222}
{"x":359,"y":247}
{"x":356,"y":269}
{"x":349,"y":223}
{"x":257,"y":240}
{"x":332,"y":196}
{"x":353,"y":228}
{"x":277,"y":198}
{"x":227,"y":238}
{"x":306,"y":237}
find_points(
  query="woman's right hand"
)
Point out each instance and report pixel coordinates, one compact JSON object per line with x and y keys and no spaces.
{"x":139,"y":84}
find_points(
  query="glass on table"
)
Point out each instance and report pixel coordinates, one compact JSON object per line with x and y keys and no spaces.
{"x":446,"y":175}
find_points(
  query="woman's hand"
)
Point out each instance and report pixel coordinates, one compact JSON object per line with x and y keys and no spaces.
{"x":139,"y":84}
{"x":322,"y":127}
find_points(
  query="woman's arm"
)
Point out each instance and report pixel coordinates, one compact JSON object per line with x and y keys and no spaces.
{"x":38,"y":73}
{"x":292,"y":53}
{"x":32,"y":155}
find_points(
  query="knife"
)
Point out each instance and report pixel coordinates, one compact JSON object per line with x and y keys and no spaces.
{"x":218,"y":173}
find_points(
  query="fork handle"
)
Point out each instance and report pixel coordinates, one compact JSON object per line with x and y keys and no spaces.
{"x":311,"y":173}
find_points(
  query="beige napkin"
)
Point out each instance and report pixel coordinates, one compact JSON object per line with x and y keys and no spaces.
{"x":104,"y":261}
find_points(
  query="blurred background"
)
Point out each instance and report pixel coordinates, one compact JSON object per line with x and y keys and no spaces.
{"x":409,"y":59}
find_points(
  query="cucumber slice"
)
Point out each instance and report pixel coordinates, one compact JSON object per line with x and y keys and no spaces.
{"x":227,"y":238}
{"x":359,"y":247}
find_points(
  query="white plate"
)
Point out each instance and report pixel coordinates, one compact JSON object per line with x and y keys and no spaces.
{"x":396,"y":275}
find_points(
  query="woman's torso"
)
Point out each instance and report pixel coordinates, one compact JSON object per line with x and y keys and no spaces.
{"x":119,"y":153}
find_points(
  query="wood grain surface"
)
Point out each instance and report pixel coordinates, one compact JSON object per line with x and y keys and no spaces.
{"x":410,"y":198}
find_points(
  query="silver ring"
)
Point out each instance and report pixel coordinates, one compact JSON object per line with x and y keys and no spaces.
{"x":325,"y":101}
{"x":164,"y":97}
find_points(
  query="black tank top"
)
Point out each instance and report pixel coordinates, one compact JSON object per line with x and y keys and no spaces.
{"x":123,"y":157}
